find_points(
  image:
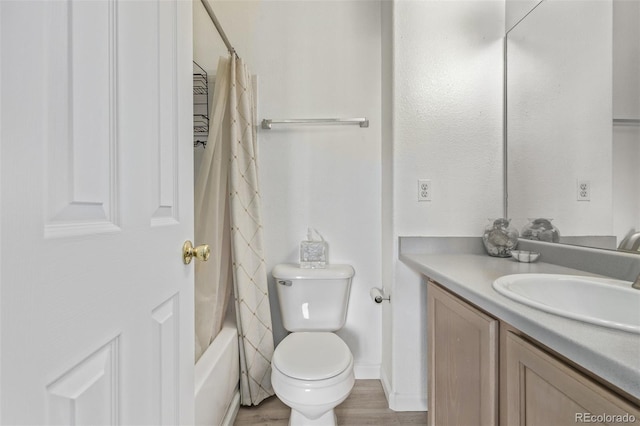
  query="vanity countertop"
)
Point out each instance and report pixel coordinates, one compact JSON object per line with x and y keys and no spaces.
{"x":612,"y":355}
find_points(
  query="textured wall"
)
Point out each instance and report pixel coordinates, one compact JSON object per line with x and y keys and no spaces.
{"x":559,"y":99}
{"x":447,"y":122}
{"x":626,"y":104}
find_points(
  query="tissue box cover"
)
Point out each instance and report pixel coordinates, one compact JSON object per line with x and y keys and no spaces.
{"x":313,"y":254}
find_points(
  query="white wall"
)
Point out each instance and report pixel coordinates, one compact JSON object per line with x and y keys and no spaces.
{"x":447,"y":127}
{"x":516,"y":10}
{"x":314,"y":60}
{"x":207,"y":44}
{"x":548,"y":103}
{"x":559,"y":116}
{"x":626,"y":104}
{"x":615,"y":205}
{"x":389,"y":241}
{"x":626,"y":59}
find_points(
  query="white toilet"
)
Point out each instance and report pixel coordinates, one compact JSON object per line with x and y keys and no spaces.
{"x":312,"y":368}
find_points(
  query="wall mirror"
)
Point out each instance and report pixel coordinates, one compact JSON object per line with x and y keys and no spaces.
{"x":572,"y":106}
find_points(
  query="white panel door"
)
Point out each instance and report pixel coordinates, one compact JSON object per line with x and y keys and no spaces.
{"x":96,"y":178}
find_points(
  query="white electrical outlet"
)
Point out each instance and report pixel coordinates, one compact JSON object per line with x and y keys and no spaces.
{"x":424,"y":189}
{"x":583,"y":190}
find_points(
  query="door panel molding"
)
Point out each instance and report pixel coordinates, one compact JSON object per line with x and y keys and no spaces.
{"x":80,"y":117}
{"x":89,"y":392}
{"x":166,"y":367}
{"x":165,"y":150}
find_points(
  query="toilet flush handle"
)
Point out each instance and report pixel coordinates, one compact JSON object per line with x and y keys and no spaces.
{"x":287,"y":283}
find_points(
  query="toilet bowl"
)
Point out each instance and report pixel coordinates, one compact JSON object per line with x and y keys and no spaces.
{"x":312,"y":373}
{"x":312,"y":368}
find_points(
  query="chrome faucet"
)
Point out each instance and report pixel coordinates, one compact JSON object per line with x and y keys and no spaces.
{"x":636,"y":283}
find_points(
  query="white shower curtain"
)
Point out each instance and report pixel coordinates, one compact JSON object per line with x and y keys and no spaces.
{"x":212,"y":225}
{"x":249,"y":269}
{"x":228,"y":219}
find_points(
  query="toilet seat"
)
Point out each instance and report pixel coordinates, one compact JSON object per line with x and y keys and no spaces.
{"x":312,"y":356}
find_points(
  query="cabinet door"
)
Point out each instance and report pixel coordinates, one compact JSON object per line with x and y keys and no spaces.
{"x":462,"y":359}
{"x":538,"y":389}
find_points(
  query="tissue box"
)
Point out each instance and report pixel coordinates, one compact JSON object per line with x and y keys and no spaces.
{"x":313,"y":254}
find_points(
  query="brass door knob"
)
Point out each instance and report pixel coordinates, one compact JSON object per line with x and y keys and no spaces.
{"x":189,"y":251}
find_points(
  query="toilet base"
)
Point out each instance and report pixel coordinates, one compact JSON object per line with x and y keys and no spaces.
{"x":327,"y":419}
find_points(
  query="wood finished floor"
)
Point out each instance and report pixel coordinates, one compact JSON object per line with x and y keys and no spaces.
{"x":366,"y":405}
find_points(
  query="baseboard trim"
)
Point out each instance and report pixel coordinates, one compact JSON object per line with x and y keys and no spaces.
{"x":386,"y":385}
{"x":399,"y":401}
{"x":407,"y":402}
{"x":367,"y":371}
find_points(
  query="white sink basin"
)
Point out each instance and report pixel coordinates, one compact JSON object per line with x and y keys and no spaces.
{"x":602,"y":301}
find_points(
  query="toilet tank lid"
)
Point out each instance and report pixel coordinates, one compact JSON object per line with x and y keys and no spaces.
{"x":291,"y":271}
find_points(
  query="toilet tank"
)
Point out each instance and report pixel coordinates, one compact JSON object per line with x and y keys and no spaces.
{"x":313,"y":299}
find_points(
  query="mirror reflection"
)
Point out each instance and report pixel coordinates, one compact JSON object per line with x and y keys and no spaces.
{"x":573,"y":120}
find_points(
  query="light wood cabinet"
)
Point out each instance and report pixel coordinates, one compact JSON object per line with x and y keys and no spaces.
{"x":538,"y":389}
{"x":482,"y":371}
{"x":462,"y":358}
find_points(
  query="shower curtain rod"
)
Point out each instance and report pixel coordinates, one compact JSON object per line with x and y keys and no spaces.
{"x":218,"y":26}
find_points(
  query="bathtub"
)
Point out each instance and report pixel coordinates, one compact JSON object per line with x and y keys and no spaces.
{"x":217,"y":377}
